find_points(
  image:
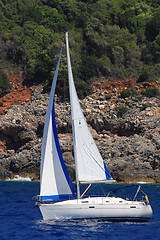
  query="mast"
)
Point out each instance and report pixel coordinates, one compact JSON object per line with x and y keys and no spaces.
{"x":76,"y":162}
{"x":71,"y":86}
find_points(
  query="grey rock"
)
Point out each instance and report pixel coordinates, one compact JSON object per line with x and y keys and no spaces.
{"x":130,"y":144}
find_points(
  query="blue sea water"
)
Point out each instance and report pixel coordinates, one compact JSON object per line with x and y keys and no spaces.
{"x":20,"y":219}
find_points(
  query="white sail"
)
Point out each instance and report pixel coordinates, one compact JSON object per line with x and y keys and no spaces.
{"x":55,"y":182}
{"x":89,"y":163}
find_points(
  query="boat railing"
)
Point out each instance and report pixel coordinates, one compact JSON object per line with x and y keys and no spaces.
{"x":143,"y":197}
{"x":39,"y":199}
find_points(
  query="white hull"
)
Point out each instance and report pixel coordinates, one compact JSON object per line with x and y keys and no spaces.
{"x":105,"y":208}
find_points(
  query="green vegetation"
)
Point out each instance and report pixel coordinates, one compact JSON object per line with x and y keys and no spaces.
{"x":4,"y":81}
{"x":110,"y":39}
{"x":143,"y":76}
{"x":121,"y":110}
{"x":83,"y":106}
{"x":150,"y":92}
{"x":125,"y":93}
{"x":139,"y":97}
{"x":108,"y":96}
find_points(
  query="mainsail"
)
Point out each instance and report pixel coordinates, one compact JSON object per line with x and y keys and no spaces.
{"x":90,"y":166}
{"x":55,"y":182}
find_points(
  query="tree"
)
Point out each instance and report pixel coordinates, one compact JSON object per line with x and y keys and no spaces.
{"x":151,"y":53}
{"x":153,"y":26}
{"x":52,"y":19}
{"x":4,"y":81}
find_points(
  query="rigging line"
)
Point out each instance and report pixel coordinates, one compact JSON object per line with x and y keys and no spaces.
{"x":92,"y":188}
{"x":136,"y":193}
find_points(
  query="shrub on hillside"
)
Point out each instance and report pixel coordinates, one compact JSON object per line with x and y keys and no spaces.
{"x":150,"y":92}
{"x":121,"y":110}
{"x":125,"y":93}
{"x":108,"y":96}
{"x":4,"y":80}
{"x":143,"y":76}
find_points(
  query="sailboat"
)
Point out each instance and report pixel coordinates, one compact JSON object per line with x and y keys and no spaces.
{"x":58,"y":198}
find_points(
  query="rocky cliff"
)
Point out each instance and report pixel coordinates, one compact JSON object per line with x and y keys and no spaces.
{"x":129,"y":140}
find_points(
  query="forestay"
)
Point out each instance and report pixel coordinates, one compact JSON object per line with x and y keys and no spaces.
{"x":55,"y":182}
{"x":90,"y":166}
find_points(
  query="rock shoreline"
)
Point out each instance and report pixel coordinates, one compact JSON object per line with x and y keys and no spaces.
{"x":129,"y":143}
